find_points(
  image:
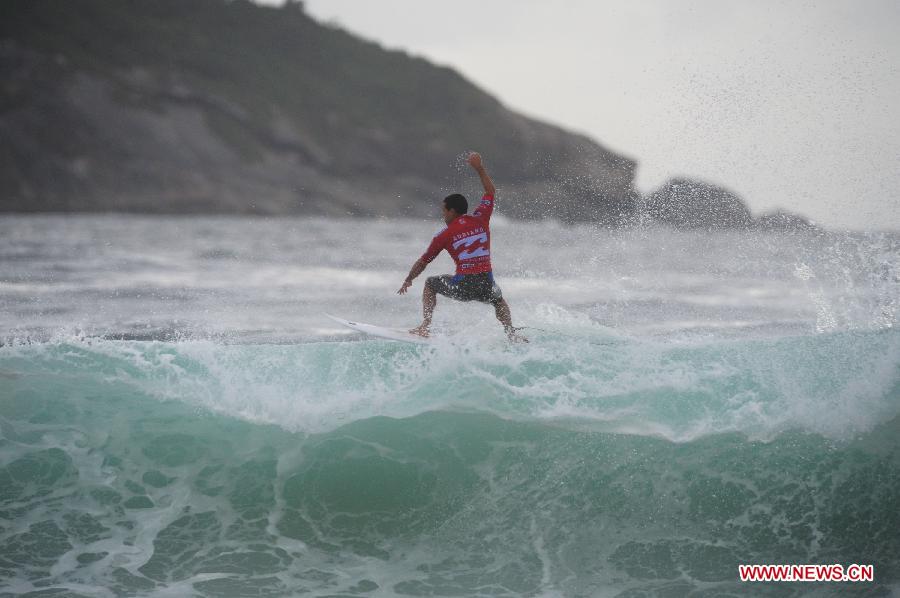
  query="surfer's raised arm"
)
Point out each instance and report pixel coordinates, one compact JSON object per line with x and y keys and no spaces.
{"x":474,"y":161}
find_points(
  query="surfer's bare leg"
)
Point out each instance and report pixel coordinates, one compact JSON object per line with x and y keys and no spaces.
{"x":501,"y":309}
{"x":429,"y":300}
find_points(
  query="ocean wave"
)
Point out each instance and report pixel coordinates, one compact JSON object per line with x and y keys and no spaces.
{"x":106,"y":490}
{"x":837,"y":385}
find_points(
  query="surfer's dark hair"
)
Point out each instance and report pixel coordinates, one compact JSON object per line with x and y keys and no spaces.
{"x":457,"y":203}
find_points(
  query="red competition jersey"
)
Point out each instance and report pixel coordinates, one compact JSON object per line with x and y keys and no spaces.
{"x":467,"y":239}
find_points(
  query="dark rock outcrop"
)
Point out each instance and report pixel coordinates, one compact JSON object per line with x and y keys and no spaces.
{"x":218,"y":106}
{"x":781,"y":221}
{"x":686,"y":203}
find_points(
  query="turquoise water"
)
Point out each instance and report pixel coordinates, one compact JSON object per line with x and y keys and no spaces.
{"x":344,"y":468}
{"x":178,"y":419}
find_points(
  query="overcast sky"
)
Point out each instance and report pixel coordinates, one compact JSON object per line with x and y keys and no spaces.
{"x":789,"y":104}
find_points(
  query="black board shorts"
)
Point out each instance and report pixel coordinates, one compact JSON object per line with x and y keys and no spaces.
{"x":467,"y":287}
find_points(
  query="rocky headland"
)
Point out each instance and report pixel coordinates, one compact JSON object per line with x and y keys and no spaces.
{"x":217,"y":106}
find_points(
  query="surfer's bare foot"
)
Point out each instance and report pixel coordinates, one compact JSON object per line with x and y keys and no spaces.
{"x":512,"y":333}
{"x":516,"y":338}
{"x":420,"y":331}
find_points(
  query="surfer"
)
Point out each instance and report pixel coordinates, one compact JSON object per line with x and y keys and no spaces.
{"x":467,"y":238}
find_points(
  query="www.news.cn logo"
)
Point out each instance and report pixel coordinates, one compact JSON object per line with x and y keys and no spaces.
{"x":807,"y":572}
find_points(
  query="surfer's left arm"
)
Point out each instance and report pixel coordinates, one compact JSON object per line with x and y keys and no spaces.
{"x":475,"y":162}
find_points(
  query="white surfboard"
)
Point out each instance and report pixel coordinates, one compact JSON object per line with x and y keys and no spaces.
{"x":379,"y":331}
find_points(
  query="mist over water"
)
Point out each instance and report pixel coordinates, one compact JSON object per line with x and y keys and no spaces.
{"x":269,"y":280}
{"x":178,"y":417}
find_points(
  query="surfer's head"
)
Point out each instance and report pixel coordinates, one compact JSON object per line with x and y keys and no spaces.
{"x":454,"y":205}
